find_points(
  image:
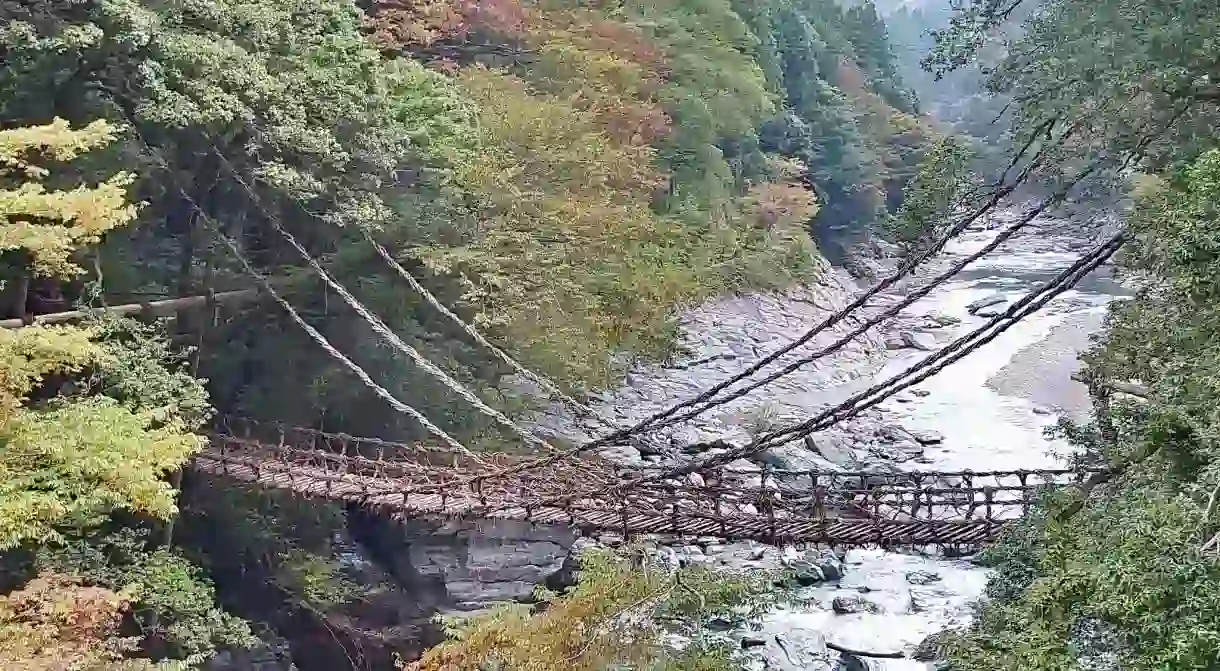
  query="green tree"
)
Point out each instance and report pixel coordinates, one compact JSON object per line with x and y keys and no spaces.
{"x":617,"y":614}
{"x":92,"y":419}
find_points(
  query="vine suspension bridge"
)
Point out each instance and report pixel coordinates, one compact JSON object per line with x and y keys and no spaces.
{"x":716,"y":496}
{"x":769,"y":505}
{"x":709,"y":496}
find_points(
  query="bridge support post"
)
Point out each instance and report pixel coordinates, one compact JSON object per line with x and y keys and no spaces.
{"x":819,"y":505}
{"x":989,"y":498}
{"x":876,"y":496}
{"x":724,"y":529}
{"x":765,"y":503}
{"x":672,"y":493}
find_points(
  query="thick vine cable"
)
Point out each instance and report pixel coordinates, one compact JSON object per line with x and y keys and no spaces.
{"x":330,"y":349}
{"x":888,"y":314}
{"x":551,"y":388}
{"x":300,"y":321}
{"x":377,"y":324}
{"x":475,"y":334}
{"x":922,"y":370}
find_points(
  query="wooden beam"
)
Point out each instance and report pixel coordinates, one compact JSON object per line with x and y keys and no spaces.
{"x":162,"y":308}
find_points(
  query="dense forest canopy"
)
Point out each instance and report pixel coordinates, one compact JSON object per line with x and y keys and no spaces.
{"x":568,"y":176}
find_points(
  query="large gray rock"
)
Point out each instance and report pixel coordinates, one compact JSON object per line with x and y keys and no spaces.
{"x":791,"y":648}
{"x":623,"y":455}
{"x":835,"y":449}
{"x":987,"y":301}
{"x":846,"y":605}
{"x":478,"y":563}
{"x":893,"y":433}
{"x":795,"y":457}
{"x":919,"y":340}
{"x":928,"y":436}
{"x":943,"y":319}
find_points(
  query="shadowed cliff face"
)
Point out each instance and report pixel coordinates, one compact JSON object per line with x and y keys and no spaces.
{"x":413,"y":570}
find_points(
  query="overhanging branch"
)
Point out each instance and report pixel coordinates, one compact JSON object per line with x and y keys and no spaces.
{"x":162,"y":308}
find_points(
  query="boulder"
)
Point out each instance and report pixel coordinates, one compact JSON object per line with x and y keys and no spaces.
{"x":993,"y":299}
{"x":892,"y":433}
{"x":806,"y":574}
{"x":623,"y":455}
{"x":922,"y":577}
{"x":791,"y":648}
{"x":846,"y":605}
{"x":834,"y":449}
{"x":895,"y":453}
{"x":895,"y":342}
{"x":831,"y":569}
{"x":927,"y":437}
{"x":795,"y":457}
{"x":993,"y":311}
{"x":943,"y":319}
{"x":920,"y":341}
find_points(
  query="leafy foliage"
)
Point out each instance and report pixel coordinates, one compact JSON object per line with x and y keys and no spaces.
{"x":91,"y":420}
{"x":612,"y":617}
{"x":49,"y":225}
{"x":173,"y":602}
{"x":937,"y":189}
{"x":56,"y":623}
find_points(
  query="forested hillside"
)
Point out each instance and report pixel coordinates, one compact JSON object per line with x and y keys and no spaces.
{"x":566,"y":175}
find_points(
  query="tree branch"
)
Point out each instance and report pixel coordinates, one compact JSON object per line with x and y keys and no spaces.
{"x":156,"y":308}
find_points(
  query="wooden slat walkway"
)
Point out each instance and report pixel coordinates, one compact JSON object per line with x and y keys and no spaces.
{"x":626,"y":516}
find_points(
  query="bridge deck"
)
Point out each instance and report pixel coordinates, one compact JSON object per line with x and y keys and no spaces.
{"x":628,"y":516}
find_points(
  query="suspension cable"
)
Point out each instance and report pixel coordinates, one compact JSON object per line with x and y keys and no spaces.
{"x":300,"y":321}
{"x":380,"y":326}
{"x":888,"y":314}
{"x":920,"y":371}
{"x":924,"y":369}
{"x":581,"y":409}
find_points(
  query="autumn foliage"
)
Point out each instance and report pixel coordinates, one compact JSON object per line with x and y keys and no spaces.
{"x":55,"y":623}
